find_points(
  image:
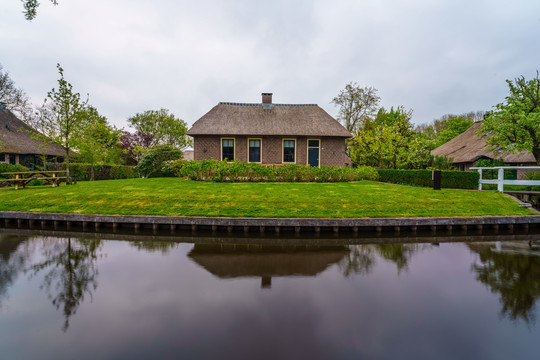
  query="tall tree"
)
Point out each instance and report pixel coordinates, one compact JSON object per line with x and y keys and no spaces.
{"x":448,"y":127}
{"x":356,"y":105}
{"x":98,"y":141}
{"x":13,"y":98}
{"x":59,"y":116}
{"x":389,"y":141}
{"x":165,"y":128}
{"x":514,"y":125}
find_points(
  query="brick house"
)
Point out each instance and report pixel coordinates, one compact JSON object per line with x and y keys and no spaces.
{"x":17,"y":145}
{"x":269,"y":133}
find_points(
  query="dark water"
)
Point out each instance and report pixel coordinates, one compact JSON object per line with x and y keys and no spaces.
{"x":74,"y":298}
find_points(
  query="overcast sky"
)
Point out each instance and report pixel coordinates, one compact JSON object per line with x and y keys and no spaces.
{"x":434,"y":57}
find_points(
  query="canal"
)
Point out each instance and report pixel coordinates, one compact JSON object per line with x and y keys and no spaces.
{"x":111,"y":296}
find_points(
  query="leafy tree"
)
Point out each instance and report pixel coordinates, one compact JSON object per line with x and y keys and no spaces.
{"x":59,"y":116}
{"x":447,"y":127}
{"x":134,"y":146}
{"x":13,"y":98}
{"x":152,"y":163}
{"x":356,"y":105}
{"x":389,"y":141}
{"x":165,"y":128}
{"x":30,"y":8}
{"x":514,"y":125}
{"x":98,"y":141}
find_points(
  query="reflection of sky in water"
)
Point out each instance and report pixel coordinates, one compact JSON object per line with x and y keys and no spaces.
{"x":163,"y":304}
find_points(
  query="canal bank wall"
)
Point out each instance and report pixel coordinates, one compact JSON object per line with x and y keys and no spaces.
{"x":171,"y":224}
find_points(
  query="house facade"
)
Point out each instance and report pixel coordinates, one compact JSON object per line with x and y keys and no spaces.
{"x":18,"y":147}
{"x":269,"y":133}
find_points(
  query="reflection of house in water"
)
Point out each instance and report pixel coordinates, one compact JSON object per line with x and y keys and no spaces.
{"x":265,"y":261}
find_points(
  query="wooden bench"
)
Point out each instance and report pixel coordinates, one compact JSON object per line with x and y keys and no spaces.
{"x":24,"y":177}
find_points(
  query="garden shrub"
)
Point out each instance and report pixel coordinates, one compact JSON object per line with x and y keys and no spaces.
{"x":449,"y":179}
{"x":236,"y":171}
{"x":153,"y":163}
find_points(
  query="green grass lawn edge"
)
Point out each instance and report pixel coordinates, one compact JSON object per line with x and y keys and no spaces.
{"x":180,"y":197}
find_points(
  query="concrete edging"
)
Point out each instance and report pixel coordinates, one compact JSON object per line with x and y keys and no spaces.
{"x":267,"y":224}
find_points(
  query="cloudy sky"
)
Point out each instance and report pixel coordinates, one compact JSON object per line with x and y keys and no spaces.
{"x":432,"y":56}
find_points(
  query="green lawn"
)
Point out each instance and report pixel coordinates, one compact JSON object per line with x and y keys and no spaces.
{"x":174,"y":196}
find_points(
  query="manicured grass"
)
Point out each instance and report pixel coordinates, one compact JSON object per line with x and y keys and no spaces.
{"x":175,"y":196}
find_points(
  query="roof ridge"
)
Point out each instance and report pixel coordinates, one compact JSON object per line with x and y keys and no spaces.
{"x":260,"y":104}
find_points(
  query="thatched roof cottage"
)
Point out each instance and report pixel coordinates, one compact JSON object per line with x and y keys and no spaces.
{"x":18,"y":147}
{"x":269,"y":133}
{"x":467,"y":148}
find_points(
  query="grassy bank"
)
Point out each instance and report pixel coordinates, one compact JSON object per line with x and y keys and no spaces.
{"x":174,"y":196}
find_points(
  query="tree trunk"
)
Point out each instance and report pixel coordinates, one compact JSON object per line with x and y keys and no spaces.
{"x":536,"y":154}
{"x":68,"y":180}
{"x":92,"y":167}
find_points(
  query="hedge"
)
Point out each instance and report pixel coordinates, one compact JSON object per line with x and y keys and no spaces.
{"x":101,"y":172}
{"x":449,"y":179}
{"x":238,"y":171}
{"x":7,"y":167}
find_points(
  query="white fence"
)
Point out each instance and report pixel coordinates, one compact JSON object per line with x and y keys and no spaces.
{"x":500,"y":178}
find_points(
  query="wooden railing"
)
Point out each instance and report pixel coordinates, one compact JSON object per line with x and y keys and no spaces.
{"x":500,"y":181}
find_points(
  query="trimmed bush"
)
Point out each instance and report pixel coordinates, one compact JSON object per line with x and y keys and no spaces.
{"x":238,"y":171}
{"x":450,"y":179}
{"x":101,"y":172}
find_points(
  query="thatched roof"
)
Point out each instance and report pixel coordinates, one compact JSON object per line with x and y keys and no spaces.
{"x":14,"y":138}
{"x":268,"y":119}
{"x":469,"y":147}
{"x":266,"y":262}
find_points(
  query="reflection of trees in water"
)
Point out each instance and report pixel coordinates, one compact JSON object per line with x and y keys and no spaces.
{"x":70,"y":273}
{"x":13,"y":260}
{"x":511,"y":273}
{"x":361,"y":259}
{"x":163,"y":247}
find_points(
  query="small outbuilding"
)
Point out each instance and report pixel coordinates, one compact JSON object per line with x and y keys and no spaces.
{"x":469,"y":147}
{"x":17,"y":145}
{"x":269,"y":133}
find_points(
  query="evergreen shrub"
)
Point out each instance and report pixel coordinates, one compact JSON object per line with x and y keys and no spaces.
{"x":449,"y":179}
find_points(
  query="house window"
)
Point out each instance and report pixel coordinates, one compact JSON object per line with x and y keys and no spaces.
{"x":2,"y":157}
{"x":289,"y":150}
{"x":254,"y":150}
{"x":227,"y":149}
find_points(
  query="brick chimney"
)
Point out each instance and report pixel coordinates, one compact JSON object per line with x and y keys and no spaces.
{"x":266,"y":98}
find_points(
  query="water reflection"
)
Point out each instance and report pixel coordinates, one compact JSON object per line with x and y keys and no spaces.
{"x":13,"y":260}
{"x":163,"y":247}
{"x":69,"y":273}
{"x":164,"y":299}
{"x":362,"y":258}
{"x":265,"y":261}
{"x":512,"y":271}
